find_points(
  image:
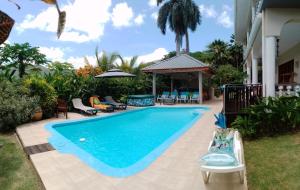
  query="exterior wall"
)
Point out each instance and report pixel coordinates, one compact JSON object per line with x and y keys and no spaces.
{"x":275,"y":18}
{"x":291,"y":54}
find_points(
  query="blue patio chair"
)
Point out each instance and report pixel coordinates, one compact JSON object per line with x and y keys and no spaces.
{"x":195,"y":97}
{"x":183,"y":97}
{"x":164,"y":96}
{"x":174,"y":95}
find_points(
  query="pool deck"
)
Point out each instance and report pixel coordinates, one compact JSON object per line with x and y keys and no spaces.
{"x":177,"y":168}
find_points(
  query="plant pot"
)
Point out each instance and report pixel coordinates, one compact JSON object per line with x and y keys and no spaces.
{"x":37,"y":116}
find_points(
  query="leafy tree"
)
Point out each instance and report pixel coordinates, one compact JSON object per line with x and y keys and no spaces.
{"x":227,"y":74}
{"x":235,"y":52}
{"x":106,"y":61}
{"x":88,"y":70}
{"x":21,"y":57}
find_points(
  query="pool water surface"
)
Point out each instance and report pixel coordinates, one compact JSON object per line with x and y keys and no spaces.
{"x":123,"y":144}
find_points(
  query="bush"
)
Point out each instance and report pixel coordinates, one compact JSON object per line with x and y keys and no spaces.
{"x":16,"y":107}
{"x":271,"y":116}
{"x":227,"y":74}
{"x":48,"y":97}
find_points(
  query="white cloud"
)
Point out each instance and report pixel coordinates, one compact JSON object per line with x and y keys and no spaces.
{"x":154,"y":15}
{"x":53,"y":53}
{"x":152,"y":3}
{"x":157,"y":54}
{"x":224,"y":18}
{"x":208,"y":11}
{"x":84,"y":22}
{"x":139,"y":20}
{"x":78,"y":62}
{"x":122,"y":15}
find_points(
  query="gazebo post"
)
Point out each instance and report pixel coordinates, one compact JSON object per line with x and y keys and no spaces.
{"x":172,"y":84}
{"x":200,"y":80}
{"x":154,"y":84}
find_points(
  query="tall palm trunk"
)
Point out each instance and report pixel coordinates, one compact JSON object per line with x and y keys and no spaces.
{"x":177,"y":44}
{"x":187,"y":43}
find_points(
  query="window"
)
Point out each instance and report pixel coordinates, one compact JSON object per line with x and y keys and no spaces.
{"x":286,"y":72}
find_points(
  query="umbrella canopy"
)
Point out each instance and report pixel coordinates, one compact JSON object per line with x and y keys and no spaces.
{"x":114,"y":73}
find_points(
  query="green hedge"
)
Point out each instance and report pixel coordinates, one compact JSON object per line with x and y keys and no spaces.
{"x":16,"y":105}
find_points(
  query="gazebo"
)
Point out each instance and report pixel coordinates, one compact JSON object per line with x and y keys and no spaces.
{"x":181,"y":68}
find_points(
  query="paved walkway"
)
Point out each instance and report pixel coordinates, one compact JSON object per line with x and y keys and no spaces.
{"x":177,"y":168}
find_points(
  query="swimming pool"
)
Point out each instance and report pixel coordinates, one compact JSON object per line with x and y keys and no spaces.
{"x":123,"y":144}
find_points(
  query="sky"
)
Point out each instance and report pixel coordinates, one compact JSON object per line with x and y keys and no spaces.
{"x":127,"y":27}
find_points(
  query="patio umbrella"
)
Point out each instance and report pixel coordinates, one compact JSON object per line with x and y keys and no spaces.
{"x":6,"y":24}
{"x":114,"y":73}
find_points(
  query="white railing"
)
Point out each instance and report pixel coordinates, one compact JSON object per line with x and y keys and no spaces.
{"x":288,"y":90}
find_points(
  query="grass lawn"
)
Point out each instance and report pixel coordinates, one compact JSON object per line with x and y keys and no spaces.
{"x":16,"y":172}
{"x":273,"y":163}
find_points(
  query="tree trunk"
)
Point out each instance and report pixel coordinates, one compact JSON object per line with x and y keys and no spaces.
{"x":187,"y":43}
{"x":177,"y":44}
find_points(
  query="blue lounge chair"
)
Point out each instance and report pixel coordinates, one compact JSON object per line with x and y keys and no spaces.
{"x":164,"y":96}
{"x":183,"y":97}
{"x":195,"y":97}
{"x":174,"y":96}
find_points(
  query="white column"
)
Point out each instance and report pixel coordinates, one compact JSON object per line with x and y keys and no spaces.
{"x":154,"y":84}
{"x":200,"y":79}
{"x":248,"y":73}
{"x":270,"y":65}
{"x":254,"y":71}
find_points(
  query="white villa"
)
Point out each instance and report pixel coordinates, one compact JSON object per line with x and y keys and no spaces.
{"x":270,"y":33}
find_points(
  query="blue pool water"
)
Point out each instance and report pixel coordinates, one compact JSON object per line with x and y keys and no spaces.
{"x":123,"y":144}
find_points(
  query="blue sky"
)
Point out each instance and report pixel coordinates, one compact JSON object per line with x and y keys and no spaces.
{"x":124,"y":26}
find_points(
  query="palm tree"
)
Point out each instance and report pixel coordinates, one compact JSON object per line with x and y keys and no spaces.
{"x":181,"y":15}
{"x":219,"y":52}
{"x":172,"y":12}
{"x":106,"y":61}
{"x":193,"y":19}
{"x":128,"y":65}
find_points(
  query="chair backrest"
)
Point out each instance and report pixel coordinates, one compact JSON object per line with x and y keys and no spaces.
{"x":195,"y":95}
{"x":165,"y":94}
{"x":184,"y":94}
{"x":77,"y":102}
{"x":110,"y":99}
{"x":61,"y":103}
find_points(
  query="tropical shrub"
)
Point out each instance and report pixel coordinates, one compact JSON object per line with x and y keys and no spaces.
{"x":48,"y":97}
{"x":270,"y":116}
{"x":16,"y":106}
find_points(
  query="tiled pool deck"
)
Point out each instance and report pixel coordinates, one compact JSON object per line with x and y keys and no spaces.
{"x":177,"y":168}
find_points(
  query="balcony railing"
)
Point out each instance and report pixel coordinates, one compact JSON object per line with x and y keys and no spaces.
{"x":288,"y":90}
{"x":238,"y":97}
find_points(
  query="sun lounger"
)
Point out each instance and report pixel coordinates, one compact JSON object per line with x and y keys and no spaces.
{"x":77,"y":104}
{"x":112,"y":102}
{"x":183,"y":97}
{"x":225,"y":155}
{"x":95,"y":103}
{"x":164,"y":96}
